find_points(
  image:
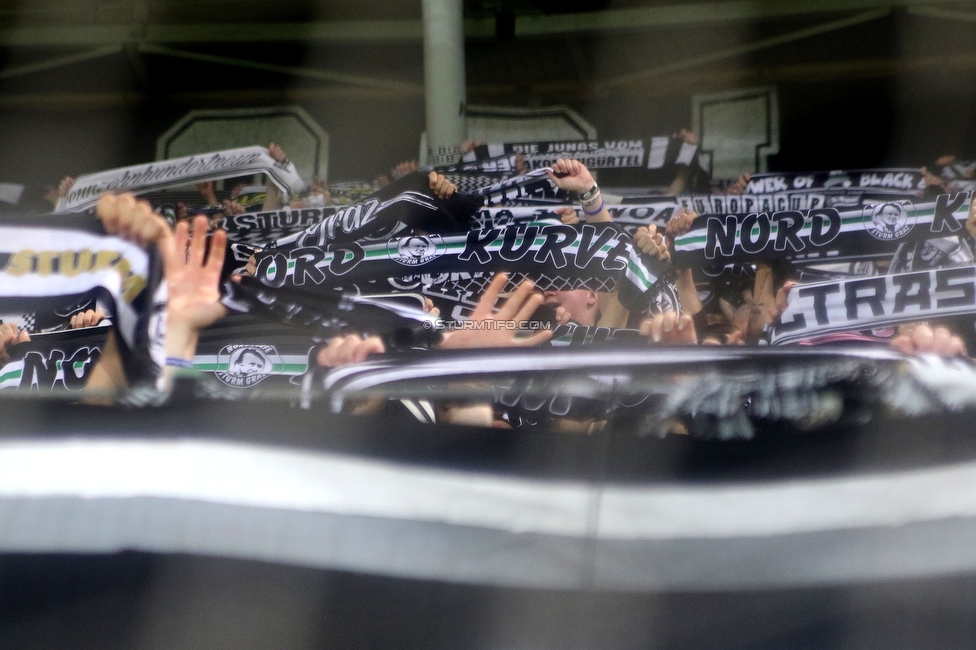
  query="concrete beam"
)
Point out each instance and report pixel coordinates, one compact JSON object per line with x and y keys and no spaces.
{"x":681,"y":14}
{"x":57,"y":62}
{"x":311,"y":73}
{"x":444,"y":80}
{"x":411,"y":31}
{"x":705,"y":80}
{"x":945,"y":14}
{"x":90,"y":101}
{"x":739,"y":50}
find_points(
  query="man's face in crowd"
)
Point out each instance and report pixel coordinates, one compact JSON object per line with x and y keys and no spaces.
{"x":581,"y":304}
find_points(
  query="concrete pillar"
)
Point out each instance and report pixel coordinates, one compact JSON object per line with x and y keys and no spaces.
{"x":444,"y":82}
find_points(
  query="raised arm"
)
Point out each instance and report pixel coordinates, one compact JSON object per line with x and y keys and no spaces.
{"x":192,"y":274}
{"x":573,"y":176}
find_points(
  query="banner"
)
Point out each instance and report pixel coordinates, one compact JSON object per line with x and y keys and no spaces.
{"x":491,"y":163}
{"x":822,"y":234}
{"x":660,"y":152}
{"x":867,"y":303}
{"x":261,"y":228}
{"x":500,"y":158}
{"x":163,"y":174}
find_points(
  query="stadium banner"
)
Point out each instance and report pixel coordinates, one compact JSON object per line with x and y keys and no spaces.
{"x":657,"y":153}
{"x":500,"y":158}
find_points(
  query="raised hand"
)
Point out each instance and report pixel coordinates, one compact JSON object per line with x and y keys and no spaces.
{"x":277,"y":153}
{"x":971,"y":220}
{"x":650,"y":242}
{"x":232,"y":207}
{"x":89,"y":318}
{"x":10,"y":335}
{"x":740,"y":185}
{"x":490,"y":330}
{"x":443,"y":188}
{"x":345,"y":350}
{"x":206,"y":189}
{"x":123,"y":216}
{"x":688,"y":136}
{"x":575,"y":177}
{"x":65,"y":186}
{"x":567,"y":215}
{"x":670,"y":328}
{"x":923,"y":339}
{"x":783,"y":296}
{"x":680,"y":223}
{"x":193,"y":275}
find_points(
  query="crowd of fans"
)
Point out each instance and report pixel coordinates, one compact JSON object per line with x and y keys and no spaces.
{"x":193,"y":247}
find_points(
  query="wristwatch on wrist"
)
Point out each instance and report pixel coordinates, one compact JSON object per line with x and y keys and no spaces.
{"x":589,"y":194}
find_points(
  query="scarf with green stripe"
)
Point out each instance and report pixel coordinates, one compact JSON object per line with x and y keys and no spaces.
{"x":820,"y":235}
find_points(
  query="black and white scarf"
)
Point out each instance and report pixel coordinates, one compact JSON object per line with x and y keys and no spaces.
{"x":244,"y":161}
{"x":312,"y":286}
{"x":408,"y":203}
{"x":819,"y":235}
{"x":329,"y":312}
{"x":263,"y":228}
{"x":876,"y":180}
{"x":534,"y":187}
{"x":574,"y":335}
{"x":54,"y":361}
{"x":245,"y":354}
{"x":51,"y":267}
{"x":568,"y":255}
{"x":866,"y":303}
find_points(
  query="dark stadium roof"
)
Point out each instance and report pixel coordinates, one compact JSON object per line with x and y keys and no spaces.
{"x":103,"y":53}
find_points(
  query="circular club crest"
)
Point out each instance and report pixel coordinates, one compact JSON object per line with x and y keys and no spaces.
{"x":246,"y":364}
{"x":416,"y":249}
{"x":889,"y":221}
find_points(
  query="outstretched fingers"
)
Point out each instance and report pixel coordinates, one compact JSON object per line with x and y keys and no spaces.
{"x":538,"y":338}
{"x":218,"y":250}
{"x":518,"y":300}
{"x":198,"y":242}
{"x":488,"y":299}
